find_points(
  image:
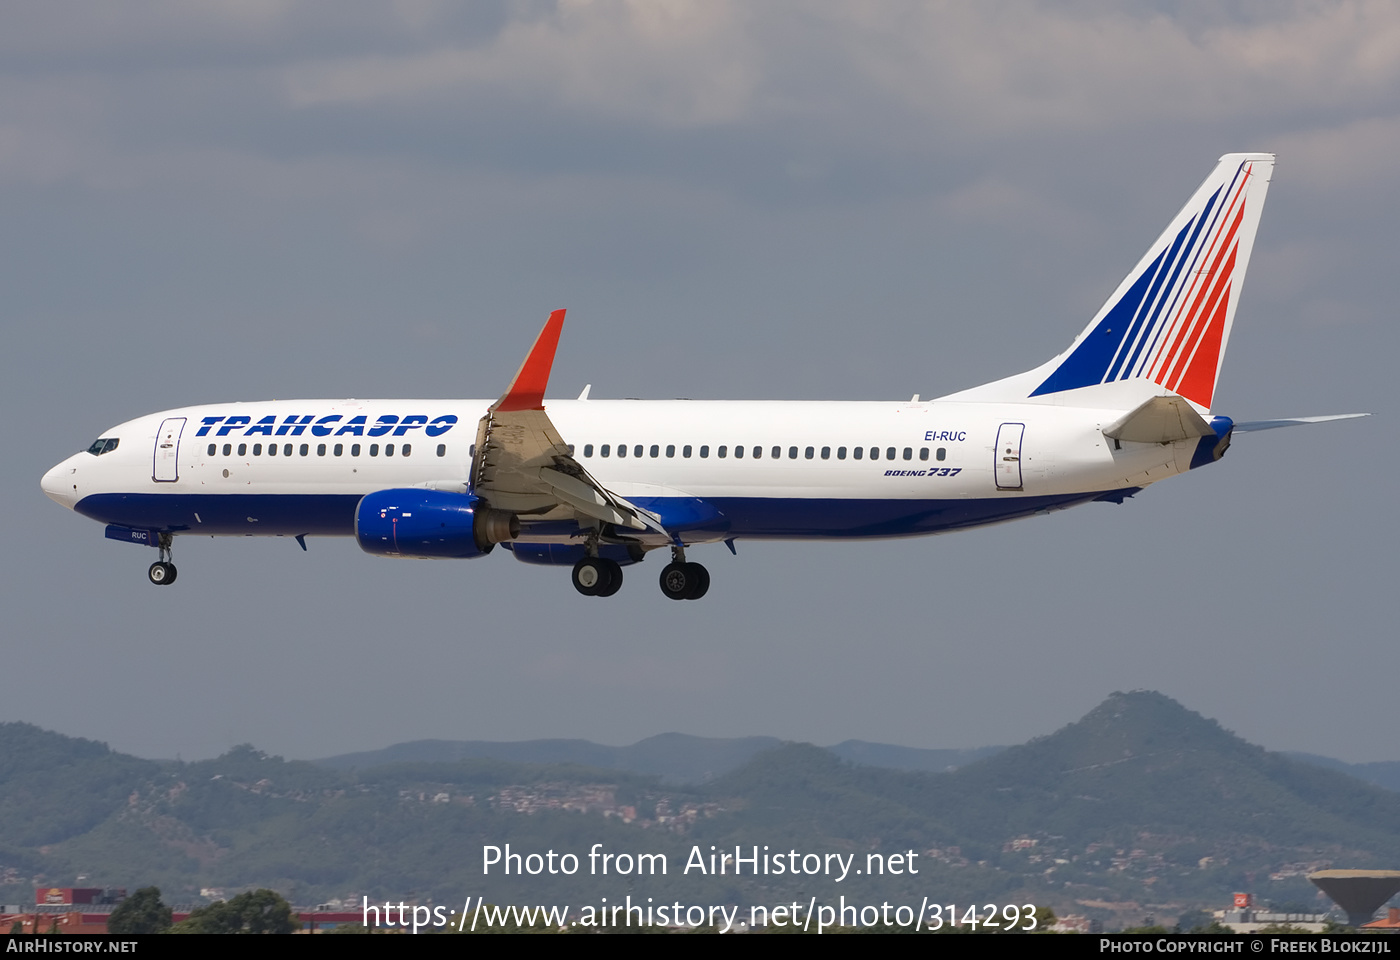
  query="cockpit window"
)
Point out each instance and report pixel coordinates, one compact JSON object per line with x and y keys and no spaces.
{"x":103,"y":445}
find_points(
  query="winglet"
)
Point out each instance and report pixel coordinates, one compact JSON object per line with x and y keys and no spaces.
{"x":526,"y":391}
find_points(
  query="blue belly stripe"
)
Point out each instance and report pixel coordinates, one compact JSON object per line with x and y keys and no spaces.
{"x":333,"y":515}
{"x":231,"y":514}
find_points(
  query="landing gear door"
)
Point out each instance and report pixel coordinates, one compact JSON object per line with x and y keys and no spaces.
{"x":167,"y":467}
{"x":1008,"y":456}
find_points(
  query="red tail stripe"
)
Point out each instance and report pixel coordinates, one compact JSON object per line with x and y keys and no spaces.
{"x":1188,"y":349}
{"x":1198,"y":382}
{"x":1199,"y":285}
{"x":1200,"y":321}
{"x":1171,"y":357}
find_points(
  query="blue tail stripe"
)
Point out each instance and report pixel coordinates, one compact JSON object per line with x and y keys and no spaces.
{"x":1143,"y":312}
{"x":1168,"y":302}
{"x":1086,"y":365}
{"x":1188,"y":262}
{"x":1151,"y":305}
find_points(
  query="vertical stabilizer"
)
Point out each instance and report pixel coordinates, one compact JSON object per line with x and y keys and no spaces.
{"x":1167,"y":324}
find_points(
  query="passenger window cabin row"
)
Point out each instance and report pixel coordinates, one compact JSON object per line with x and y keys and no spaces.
{"x":721,"y":452}
{"x":756,"y":452}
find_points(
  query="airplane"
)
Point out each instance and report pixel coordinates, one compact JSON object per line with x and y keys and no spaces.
{"x":597,"y":485}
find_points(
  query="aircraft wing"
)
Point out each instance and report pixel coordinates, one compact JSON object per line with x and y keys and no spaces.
{"x":524,"y":466}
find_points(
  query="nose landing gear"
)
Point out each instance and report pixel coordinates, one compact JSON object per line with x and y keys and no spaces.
{"x":162,"y":572}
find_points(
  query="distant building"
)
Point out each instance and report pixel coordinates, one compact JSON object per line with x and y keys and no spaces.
{"x":70,"y":896}
{"x":1391,"y":923}
{"x":64,"y":910}
{"x":1242,"y":917}
{"x":69,"y":923}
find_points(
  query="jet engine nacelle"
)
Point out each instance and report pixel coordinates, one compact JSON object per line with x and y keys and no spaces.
{"x":414,"y":522}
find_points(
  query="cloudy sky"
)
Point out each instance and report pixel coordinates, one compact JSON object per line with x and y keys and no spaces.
{"x":255,"y":199}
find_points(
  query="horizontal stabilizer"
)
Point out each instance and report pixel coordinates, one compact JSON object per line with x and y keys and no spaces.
{"x":1160,"y":420}
{"x":1250,"y":426}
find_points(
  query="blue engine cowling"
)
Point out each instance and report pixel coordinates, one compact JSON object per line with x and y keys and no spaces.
{"x":414,"y":522}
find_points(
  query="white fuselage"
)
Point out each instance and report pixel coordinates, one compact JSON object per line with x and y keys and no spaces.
{"x":598,"y":483}
{"x":779,"y":469}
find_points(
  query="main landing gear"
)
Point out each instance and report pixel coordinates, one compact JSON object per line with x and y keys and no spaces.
{"x":684,"y":581}
{"x":601,"y":577}
{"x":162,"y":572}
{"x":597,"y":577}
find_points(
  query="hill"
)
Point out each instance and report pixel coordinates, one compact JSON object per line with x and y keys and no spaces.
{"x":1141,"y":801}
{"x":680,"y":759}
{"x":673,"y":757}
{"x":1139,"y":797}
{"x":1386,"y":773}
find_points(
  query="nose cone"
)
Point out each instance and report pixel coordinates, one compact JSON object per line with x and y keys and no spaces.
{"x":60,"y":483}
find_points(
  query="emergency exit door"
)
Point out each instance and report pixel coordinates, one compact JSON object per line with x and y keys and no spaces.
{"x":167,"y":466}
{"x":1008,"y":456}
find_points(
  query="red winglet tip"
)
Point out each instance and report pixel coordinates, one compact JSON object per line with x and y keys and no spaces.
{"x":526,"y":391}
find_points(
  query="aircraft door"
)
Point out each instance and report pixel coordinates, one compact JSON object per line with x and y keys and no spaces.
{"x":167,"y":466}
{"x":1008,"y":456}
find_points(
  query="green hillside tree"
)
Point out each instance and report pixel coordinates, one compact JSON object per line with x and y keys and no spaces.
{"x":256,"y":911}
{"x":142,"y":912}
